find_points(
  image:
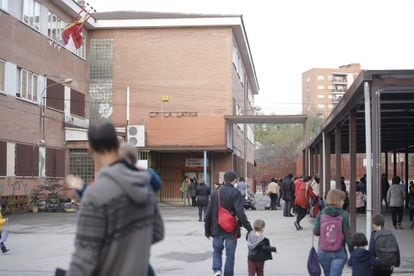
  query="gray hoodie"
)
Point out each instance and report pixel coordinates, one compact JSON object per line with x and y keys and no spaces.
{"x":396,"y":195}
{"x":118,"y":221}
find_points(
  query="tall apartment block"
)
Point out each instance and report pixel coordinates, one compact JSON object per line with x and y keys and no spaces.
{"x":323,"y":88}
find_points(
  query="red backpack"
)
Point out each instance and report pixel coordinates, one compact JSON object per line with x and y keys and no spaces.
{"x":226,"y":220}
{"x":331,"y":235}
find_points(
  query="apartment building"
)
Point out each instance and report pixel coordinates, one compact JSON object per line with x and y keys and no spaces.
{"x":44,"y":87}
{"x":166,"y":81}
{"x":323,"y":88}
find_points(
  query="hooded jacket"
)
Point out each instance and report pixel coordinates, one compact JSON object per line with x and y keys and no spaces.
{"x":230,"y":199}
{"x":118,"y":221}
{"x":259,"y":248}
{"x":362,"y":262}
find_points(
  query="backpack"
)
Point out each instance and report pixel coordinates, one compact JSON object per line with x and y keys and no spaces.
{"x":314,"y":268}
{"x":226,"y":220}
{"x":331,"y":235}
{"x":386,"y":248}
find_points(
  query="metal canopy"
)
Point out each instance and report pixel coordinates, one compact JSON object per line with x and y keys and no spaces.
{"x":395,"y":89}
{"x":267,"y":119}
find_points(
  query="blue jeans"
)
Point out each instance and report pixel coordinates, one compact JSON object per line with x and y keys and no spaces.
{"x":287,"y":208}
{"x":219,"y":242}
{"x":332,"y":262}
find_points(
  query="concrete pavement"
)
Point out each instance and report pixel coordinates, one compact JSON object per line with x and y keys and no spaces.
{"x":41,"y":242}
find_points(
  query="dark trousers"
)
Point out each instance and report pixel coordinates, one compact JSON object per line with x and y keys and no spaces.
{"x":301,"y":214}
{"x":397,"y":215}
{"x":278,"y":201}
{"x":382,"y":272}
{"x":287,"y":208}
{"x":255,"y":268}
{"x":411,"y":214}
{"x":201,"y":209}
{"x":193,"y":201}
{"x":273,"y":201}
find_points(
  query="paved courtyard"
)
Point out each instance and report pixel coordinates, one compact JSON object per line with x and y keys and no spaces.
{"x":41,"y":242}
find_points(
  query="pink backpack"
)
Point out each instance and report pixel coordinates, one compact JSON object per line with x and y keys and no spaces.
{"x":331,"y":236}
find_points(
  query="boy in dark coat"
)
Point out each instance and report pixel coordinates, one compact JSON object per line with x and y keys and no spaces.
{"x":259,"y":249}
{"x":362,"y":261}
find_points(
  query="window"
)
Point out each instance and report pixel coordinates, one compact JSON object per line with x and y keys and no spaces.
{"x":31,"y":13}
{"x":77,"y":103}
{"x":55,"y":95}
{"x":321,"y":106}
{"x":2,"y":74}
{"x":81,"y":164}
{"x":55,"y":162}
{"x":330,"y":106}
{"x":321,"y":96}
{"x":55,"y":27}
{"x":3,"y":158}
{"x":28,"y":85}
{"x":27,"y":160}
{"x":321,"y":77}
{"x":321,"y":87}
{"x":330,"y":87}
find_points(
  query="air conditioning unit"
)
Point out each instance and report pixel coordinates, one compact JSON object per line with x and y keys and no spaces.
{"x":136,"y":135}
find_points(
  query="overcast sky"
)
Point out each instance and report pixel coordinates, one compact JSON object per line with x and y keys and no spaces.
{"x":292,"y":36}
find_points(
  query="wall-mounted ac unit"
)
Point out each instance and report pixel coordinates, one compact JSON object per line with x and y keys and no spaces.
{"x":136,"y":135}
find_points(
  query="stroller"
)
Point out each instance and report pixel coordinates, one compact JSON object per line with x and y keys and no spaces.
{"x":250,"y":202}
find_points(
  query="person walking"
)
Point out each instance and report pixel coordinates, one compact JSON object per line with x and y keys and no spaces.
{"x":384,"y":189}
{"x":395,"y":198}
{"x":272,"y":192}
{"x":410,"y":199}
{"x":259,"y":249}
{"x":203,"y":194}
{"x":229,"y":198}
{"x":384,"y":245}
{"x":242,"y":187}
{"x":184,"y":190}
{"x":3,"y":222}
{"x":334,"y":231}
{"x":362,"y":261}
{"x":288,"y":191}
{"x":192,"y":190}
{"x":303,"y":193}
{"x":119,"y":218}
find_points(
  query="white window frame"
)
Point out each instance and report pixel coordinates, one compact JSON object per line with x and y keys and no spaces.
{"x":3,"y":75}
{"x":321,"y":87}
{"x":31,"y":87}
{"x":4,"y":5}
{"x":31,"y":12}
{"x":321,"y":78}
{"x":320,"y":96}
{"x":320,"y":106}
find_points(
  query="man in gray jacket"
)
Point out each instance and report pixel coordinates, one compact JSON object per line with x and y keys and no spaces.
{"x":119,"y":218}
{"x":395,"y":199}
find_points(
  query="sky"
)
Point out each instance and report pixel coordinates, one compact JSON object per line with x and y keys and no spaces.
{"x":289,"y":37}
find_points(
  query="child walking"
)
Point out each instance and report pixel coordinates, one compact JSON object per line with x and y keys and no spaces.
{"x":362,"y":261}
{"x":4,"y":250}
{"x":259,"y":249}
{"x":383,"y":245}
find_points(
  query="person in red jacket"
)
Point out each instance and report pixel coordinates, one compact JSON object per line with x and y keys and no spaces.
{"x":303,"y":192}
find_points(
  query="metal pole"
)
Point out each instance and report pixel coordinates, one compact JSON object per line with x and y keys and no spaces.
{"x":205,"y":167}
{"x":352,"y":169}
{"x":338,"y":157}
{"x":406,"y":174}
{"x":323,"y":182}
{"x":327,"y":163}
{"x":127,"y":109}
{"x":211,"y":172}
{"x":321,"y":168}
{"x":368,"y":149}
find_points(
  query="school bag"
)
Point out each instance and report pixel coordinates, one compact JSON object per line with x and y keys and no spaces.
{"x":331,"y":235}
{"x":386,"y":248}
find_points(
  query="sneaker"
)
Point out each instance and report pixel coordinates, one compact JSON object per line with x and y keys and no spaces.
{"x":395,"y":227}
{"x":217,"y":273}
{"x":7,"y":252}
{"x":290,"y":215}
{"x":300,"y":227}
